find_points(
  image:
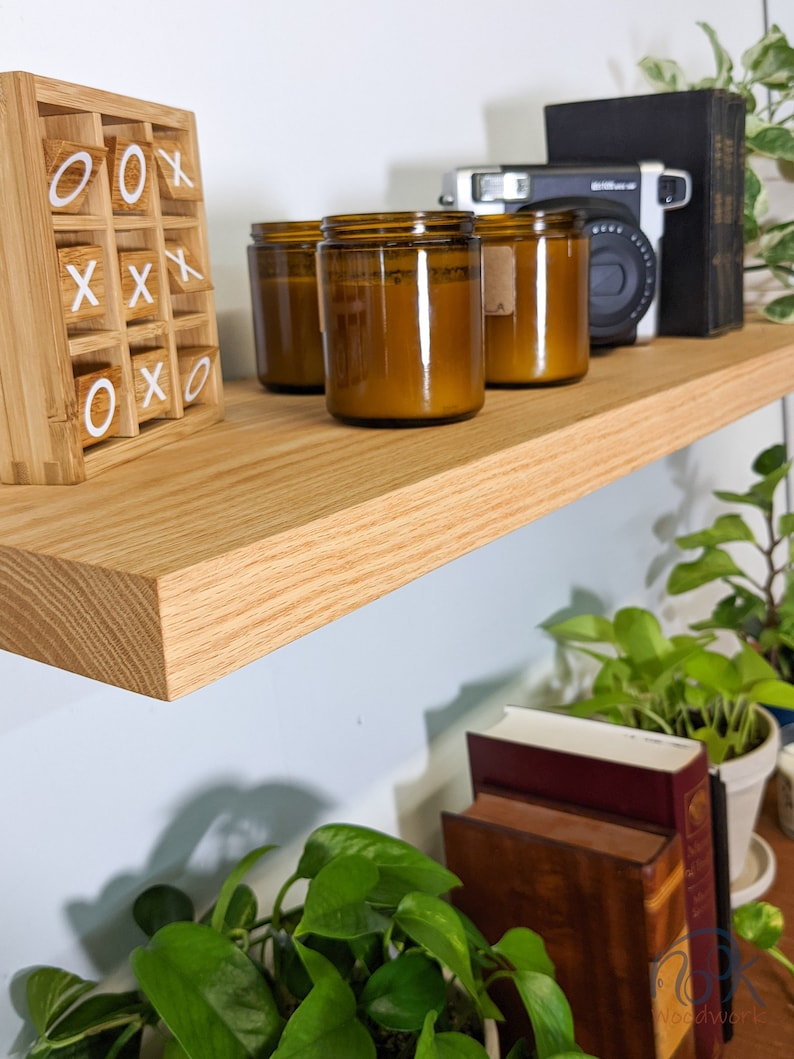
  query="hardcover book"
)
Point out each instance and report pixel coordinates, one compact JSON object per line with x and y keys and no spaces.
{"x":701,"y":131}
{"x":641,"y":776}
{"x":607,"y":898}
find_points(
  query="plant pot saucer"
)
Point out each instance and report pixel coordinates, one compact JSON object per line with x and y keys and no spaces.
{"x":757,"y":875}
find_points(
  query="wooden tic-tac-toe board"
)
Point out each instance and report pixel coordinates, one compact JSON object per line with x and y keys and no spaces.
{"x":108,"y":335}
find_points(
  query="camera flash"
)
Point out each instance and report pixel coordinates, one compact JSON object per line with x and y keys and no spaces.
{"x":513,"y":186}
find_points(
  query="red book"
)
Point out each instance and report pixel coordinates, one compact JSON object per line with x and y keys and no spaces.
{"x":643,"y":776}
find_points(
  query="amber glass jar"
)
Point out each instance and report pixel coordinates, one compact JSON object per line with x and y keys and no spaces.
{"x":281,"y":266}
{"x":536,"y":272}
{"x":401,"y":311}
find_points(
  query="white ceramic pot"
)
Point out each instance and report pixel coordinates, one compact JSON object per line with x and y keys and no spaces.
{"x":745,"y":780}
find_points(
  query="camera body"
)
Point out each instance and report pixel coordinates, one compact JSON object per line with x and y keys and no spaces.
{"x":623,"y":206}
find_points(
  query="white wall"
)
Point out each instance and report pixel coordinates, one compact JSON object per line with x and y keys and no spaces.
{"x":306,"y":109}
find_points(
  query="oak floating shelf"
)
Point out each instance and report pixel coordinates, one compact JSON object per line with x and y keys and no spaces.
{"x":183,"y":565}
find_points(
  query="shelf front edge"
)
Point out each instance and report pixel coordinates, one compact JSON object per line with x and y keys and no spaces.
{"x":99,"y":623}
{"x":298,"y":582}
{"x":168,"y":634}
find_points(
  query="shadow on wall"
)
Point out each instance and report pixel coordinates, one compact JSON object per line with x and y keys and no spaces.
{"x":515,"y":130}
{"x":443,"y":781}
{"x":684,"y":474}
{"x":208,"y":835}
{"x":415,"y":186}
{"x":556,"y":677}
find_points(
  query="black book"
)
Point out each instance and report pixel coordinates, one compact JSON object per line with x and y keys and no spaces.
{"x":701,"y":288}
{"x":719,"y":830}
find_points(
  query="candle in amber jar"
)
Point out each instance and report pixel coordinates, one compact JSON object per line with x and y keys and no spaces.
{"x":283,"y":275}
{"x":536,"y":294}
{"x":401,"y":311}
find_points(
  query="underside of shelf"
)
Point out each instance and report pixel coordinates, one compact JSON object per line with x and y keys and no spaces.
{"x":181,"y":567}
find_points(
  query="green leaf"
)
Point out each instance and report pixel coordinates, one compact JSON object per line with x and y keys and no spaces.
{"x":584,"y":628}
{"x":718,"y":747}
{"x":231,"y":883}
{"x":640,"y":636}
{"x":521,"y":1051}
{"x":432,"y":1045}
{"x":610,"y":704}
{"x":241,"y":912}
{"x":172,"y":1049}
{"x":317,"y":965}
{"x":761,"y":493}
{"x":772,"y":141}
{"x":664,"y":74}
{"x":289,"y":968}
{"x":773,"y":693}
{"x":525,"y":951}
{"x":755,"y":203}
{"x":99,"y":1012}
{"x":336,"y":904}
{"x":776,"y":245}
{"x":459,"y":1046}
{"x":750,"y":498}
{"x":325,"y":1024}
{"x":159,"y":905}
{"x":402,"y":868}
{"x":753,"y":667}
{"x":50,"y":992}
{"x":402,"y":991}
{"x":760,"y":923}
{"x":770,"y":60}
{"x":724,"y":530}
{"x":713,"y":565}
{"x":455,"y":1046}
{"x":734,"y":612}
{"x":117,"y":1043}
{"x":781,"y":310}
{"x":715,"y":671}
{"x":722,"y":60}
{"x":211,"y":997}
{"x":436,"y":926}
{"x":549,"y":1013}
{"x":770,"y":460}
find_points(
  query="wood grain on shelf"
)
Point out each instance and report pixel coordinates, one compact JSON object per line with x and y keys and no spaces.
{"x":185,"y":565}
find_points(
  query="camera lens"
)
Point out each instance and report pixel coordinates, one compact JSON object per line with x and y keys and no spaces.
{"x":622,"y":279}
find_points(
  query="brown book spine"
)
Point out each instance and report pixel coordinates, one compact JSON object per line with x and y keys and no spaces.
{"x":607,"y":900}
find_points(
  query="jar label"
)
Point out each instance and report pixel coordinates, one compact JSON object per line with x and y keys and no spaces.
{"x":498,"y":281}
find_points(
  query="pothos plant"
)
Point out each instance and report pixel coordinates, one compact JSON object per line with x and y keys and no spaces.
{"x":372,"y":962}
{"x":678,"y":684}
{"x":762,"y":924}
{"x":756,"y":566}
{"x":766,"y":81}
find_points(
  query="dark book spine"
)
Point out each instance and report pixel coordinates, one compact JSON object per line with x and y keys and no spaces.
{"x":722,"y":888}
{"x":736,"y":119}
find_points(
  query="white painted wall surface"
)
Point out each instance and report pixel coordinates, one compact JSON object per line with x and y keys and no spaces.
{"x":306,"y":109}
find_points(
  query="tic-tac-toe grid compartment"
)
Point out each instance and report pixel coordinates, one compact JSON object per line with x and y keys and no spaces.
{"x":108,"y":335}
